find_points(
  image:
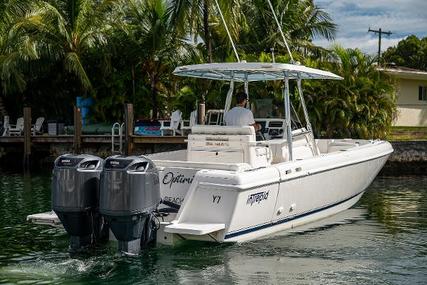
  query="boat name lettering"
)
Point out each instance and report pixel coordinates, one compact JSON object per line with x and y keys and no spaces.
{"x":217,"y":144}
{"x":257,"y":197}
{"x":176,"y":200}
{"x":170,"y":179}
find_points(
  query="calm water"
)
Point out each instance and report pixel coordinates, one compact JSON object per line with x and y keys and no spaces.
{"x":382,"y":240}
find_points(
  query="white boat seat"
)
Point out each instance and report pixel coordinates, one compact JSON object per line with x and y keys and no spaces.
{"x":226,"y":144}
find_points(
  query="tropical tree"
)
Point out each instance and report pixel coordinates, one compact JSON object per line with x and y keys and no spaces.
{"x":410,"y":52}
{"x":15,"y":48}
{"x":65,"y":32}
{"x":157,"y":45}
{"x":301,"y":22}
{"x":200,"y":19}
{"x":361,"y":105}
{"x":47,"y":44}
{"x":252,"y":25}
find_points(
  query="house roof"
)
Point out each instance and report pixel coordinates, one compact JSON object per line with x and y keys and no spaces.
{"x":405,"y":72}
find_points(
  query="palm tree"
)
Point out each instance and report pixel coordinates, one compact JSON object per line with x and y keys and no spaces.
{"x":65,"y":31}
{"x":252,"y":24}
{"x":301,"y":21}
{"x":157,"y":47}
{"x":200,"y":19}
{"x":361,"y":105}
{"x":15,"y":48}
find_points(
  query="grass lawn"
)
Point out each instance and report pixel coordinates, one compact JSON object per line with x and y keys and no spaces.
{"x":408,"y":134}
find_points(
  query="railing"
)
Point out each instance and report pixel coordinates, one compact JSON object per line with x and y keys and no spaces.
{"x":117,"y":131}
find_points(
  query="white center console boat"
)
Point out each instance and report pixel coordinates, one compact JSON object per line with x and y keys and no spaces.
{"x":228,"y":186}
{"x":234,"y":188}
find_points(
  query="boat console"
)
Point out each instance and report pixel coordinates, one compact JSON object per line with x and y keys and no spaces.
{"x":272,"y":128}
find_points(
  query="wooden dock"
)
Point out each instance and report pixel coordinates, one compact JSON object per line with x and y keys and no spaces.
{"x":35,"y":146}
{"x":43,"y":149}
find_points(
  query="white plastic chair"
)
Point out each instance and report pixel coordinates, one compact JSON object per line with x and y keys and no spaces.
{"x":193,"y":118}
{"x":17,"y":129}
{"x":188,"y":124}
{"x":172,"y":125}
{"x":37,"y":127}
{"x":6,"y":126}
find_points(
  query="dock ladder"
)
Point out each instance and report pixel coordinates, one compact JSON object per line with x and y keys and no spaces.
{"x":117,"y":132}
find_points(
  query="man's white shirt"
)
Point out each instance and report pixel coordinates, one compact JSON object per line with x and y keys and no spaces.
{"x":239,"y":116}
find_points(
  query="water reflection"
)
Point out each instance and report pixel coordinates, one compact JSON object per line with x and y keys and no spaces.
{"x":383,"y":240}
{"x":399,"y":203}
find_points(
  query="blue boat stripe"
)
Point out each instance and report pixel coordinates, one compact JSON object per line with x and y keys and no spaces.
{"x":278,"y":222}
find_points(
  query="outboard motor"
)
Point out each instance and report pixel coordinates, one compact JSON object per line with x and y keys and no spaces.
{"x":130,"y":193}
{"x":75,"y":197}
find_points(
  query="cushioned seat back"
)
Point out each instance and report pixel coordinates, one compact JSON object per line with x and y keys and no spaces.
{"x":223,"y":130}
{"x":224,"y":144}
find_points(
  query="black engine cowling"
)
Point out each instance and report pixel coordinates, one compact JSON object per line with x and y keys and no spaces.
{"x":130,"y":193}
{"x":75,"y":197}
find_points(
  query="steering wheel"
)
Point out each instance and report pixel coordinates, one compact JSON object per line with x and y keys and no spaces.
{"x":259,"y":133}
{"x":260,"y":136}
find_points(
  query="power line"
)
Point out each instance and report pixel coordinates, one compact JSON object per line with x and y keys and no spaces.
{"x":379,"y":32}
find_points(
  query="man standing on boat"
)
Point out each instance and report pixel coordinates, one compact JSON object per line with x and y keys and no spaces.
{"x":239,"y":115}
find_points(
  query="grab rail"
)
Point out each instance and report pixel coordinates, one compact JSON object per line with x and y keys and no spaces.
{"x":119,"y":128}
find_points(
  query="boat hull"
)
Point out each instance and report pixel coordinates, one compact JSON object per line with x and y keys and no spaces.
{"x":265,"y":201}
{"x":291,"y":222}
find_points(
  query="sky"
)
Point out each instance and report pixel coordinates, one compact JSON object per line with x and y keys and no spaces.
{"x":355,"y":17}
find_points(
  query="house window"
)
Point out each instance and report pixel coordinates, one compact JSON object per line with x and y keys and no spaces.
{"x":422,"y":93}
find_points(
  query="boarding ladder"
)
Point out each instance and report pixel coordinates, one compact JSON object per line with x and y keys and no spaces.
{"x":117,"y":133}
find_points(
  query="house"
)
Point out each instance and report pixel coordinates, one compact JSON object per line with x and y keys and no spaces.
{"x":411,"y":96}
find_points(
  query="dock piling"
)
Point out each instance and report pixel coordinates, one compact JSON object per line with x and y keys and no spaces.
{"x":128,"y":128}
{"x":201,"y":112}
{"x":77,"y":141}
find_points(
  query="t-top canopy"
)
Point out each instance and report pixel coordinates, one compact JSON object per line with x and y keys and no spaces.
{"x":252,"y":71}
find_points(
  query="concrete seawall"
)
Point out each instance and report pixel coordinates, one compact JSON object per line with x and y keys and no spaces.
{"x":408,"y":158}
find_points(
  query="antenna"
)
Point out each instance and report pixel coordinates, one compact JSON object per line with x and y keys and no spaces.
{"x":228,"y":32}
{"x":280,"y":29}
{"x":379,"y":32}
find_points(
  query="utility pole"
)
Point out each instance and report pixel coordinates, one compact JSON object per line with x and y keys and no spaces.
{"x":379,"y":32}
